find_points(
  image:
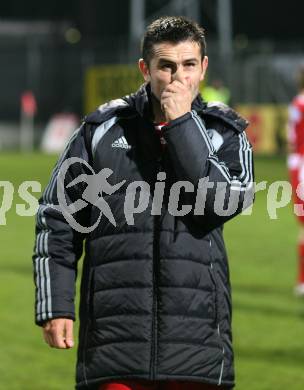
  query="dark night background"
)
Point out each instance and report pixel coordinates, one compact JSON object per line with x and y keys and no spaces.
{"x":268,"y":38}
{"x":258,"y":19}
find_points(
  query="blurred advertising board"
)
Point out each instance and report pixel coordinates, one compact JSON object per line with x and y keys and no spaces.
{"x":267,"y":129}
{"x":107,"y":82}
{"x":58,"y":131}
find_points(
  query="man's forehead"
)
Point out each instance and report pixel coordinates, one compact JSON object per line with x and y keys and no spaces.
{"x":185,"y":49}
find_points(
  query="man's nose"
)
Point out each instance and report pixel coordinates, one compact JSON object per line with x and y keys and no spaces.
{"x":179,"y":75}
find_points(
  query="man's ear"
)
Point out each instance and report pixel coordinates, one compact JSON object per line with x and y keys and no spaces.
{"x":204,"y":65}
{"x":144,"y":69}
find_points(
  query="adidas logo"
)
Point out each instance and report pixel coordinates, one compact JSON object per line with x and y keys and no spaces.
{"x":121,"y":143}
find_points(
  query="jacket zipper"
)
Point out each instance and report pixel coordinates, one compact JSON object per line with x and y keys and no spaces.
{"x":89,"y":302}
{"x":215,"y":295}
{"x":156,"y":220}
{"x":216,"y":319}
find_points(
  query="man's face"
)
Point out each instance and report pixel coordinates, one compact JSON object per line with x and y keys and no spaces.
{"x":181,"y":61}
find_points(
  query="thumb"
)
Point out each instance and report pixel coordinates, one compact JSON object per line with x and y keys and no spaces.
{"x":69,"y":338}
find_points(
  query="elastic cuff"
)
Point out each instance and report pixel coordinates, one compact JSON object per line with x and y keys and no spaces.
{"x":176,"y":121}
{"x":41,"y":322}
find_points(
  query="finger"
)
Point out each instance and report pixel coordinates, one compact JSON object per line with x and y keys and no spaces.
{"x":57,"y":335}
{"x":166,"y":94}
{"x":185,"y":84}
{"x":69,"y":338}
{"x":174,"y":87}
{"x":182,"y":84}
{"x":45,"y":331}
{"x":46,"y":337}
{"x":163,"y":107}
{"x":166,"y":101}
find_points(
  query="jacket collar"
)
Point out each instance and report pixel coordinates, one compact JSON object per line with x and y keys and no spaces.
{"x":141,"y":102}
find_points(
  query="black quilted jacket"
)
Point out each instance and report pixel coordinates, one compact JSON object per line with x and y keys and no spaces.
{"x":155,"y":294}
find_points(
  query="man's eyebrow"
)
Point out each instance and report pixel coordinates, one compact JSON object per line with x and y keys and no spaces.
{"x":172,"y":62}
{"x":166,"y":60}
{"x":191,"y":60}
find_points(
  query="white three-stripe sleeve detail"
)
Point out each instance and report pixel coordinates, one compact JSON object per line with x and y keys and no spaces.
{"x":38,"y":290}
{"x":48,"y":288}
{"x":245,"y":157}
{"x":203,"y":131}
{"x":44,"y":305}
{"x":242,"y":182}
{"x":101,"y":131}
{"x":43,"y":300}
{"x":43,"y":281}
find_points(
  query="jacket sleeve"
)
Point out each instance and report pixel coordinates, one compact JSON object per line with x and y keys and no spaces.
{"x":223,"y":179}
{"x":58,"y":246}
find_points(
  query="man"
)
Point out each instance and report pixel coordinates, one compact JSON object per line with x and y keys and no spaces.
{"x":295,"y":137}
{"x":155,"y":309}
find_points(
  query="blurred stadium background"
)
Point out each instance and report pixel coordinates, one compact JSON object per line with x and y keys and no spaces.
{"x":67,"y":57}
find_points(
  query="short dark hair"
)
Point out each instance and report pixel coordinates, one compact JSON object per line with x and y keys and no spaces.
{"x":173,"y":29}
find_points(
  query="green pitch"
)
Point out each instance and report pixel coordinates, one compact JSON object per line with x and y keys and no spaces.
{"x":268,"y":322}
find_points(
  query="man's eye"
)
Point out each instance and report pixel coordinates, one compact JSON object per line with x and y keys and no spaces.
{"x":166,"y":66}
{"x":190,"y":64}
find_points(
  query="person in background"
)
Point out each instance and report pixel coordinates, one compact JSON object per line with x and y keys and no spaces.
{"x":215,"y":92}
{"x":295,"y":162}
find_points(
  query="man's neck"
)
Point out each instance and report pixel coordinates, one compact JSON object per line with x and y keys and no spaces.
{"x":158,"y":115}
